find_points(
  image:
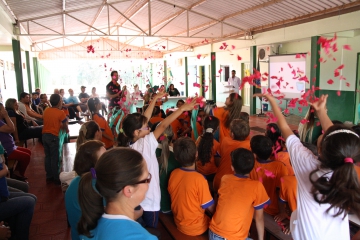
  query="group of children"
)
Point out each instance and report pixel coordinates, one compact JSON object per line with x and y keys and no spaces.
{"x":219,"y":184}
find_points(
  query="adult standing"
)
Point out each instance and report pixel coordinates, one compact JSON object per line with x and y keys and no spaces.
{"x":173,"y":91}
{"x":113,"y":90}
{"x":235,"y":82}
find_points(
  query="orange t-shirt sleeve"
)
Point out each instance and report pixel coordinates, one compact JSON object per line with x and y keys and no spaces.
{"x":205,"y":197}
{"x":262,"y":200}
{"x":283,"y":196}
{"x":216,"y":148}
{"x":282,"y":172}
{"x":357,"y":169}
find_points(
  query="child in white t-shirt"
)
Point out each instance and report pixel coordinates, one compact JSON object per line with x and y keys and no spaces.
{"x":135,"y":133}
{"x":328,"y":186}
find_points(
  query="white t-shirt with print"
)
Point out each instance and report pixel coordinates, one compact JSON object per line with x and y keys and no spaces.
{"x":310,"y":220}
{"x":147,"y":147}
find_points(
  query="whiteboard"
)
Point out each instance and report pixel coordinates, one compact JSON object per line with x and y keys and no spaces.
{"x":287,"y":75}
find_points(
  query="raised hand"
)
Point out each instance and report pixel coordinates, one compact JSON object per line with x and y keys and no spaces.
{"x":189,"y":106}
{"x":320,"y":104}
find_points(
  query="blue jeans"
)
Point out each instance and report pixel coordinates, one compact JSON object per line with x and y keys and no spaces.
{"x":214,"y":236}
{"x":51,"y":149}
{"x":151,"y":219}
{"x":17,"y":186}
{"x":18,"y":212}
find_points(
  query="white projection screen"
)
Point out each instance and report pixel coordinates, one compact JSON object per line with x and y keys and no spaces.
{"x":287,"y":75}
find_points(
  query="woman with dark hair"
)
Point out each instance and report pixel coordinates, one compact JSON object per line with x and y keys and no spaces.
{"x":24,"y":129}
{"x":231,"y":111}
{"x":173,"y":91}
{"x":85,"y":159}
{"x":20,"y":154}
{"x":109,"y":193}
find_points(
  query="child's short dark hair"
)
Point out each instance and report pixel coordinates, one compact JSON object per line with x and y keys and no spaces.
{"x":261,"y":146}
{"x":54,"y":99}
{"x":245,"y":116}
{"x":240,"y":129}
{"x":185,"y":151}
{"x":242,"y":161}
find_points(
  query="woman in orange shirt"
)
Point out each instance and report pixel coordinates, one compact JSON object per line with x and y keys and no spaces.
{"x":232,"y":110}
{"x":208,"y":161}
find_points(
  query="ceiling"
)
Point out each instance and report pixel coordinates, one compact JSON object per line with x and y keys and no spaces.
{"x":157,"y":26}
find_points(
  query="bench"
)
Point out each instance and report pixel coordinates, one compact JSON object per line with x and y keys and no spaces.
{"x":168,"y":222}
{"x":68,"y":156}
{"x":273,"y":229}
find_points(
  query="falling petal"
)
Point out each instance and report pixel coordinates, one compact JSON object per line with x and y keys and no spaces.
{"x":330,"y":81}
{"x":347,"y":47}
{"x":338,"y":93}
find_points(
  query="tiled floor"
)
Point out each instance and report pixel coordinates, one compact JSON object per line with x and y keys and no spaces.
{"x":49,"y":221}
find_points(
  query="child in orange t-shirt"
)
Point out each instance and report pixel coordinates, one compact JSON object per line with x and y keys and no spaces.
{"x":208,"y":160}
{"x":156,"y":115}
{"x":240,"y":130}
{"x":189,"y":191}
{"x":267,"y":171}
{"x":231,"y":111}
{"x":279,"y":152}
{"x":95,"y":106}
{"x":54,"y":120}
{"x":240,"y":198}
{"x":176,"y":126}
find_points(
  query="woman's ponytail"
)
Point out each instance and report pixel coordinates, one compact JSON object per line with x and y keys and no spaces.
{"x":91,"y":204}
{"x":341,"y":191}
{"x":206,"y":142}
{"x":340,"y":149}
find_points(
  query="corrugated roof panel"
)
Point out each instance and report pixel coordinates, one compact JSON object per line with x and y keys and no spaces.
{"x":178,"y":25}
{"x":140,"y":18}
{"x":213,"y":31}
{"x":55,"y":23}
{"x":196,"y":20}
{"x":34,"y":8}
{"x":76,"y":4}
{"x":86,"y":16}
{"x":102,"y":20}
{"x":212,"y":7}
{"x":182,"y":3}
